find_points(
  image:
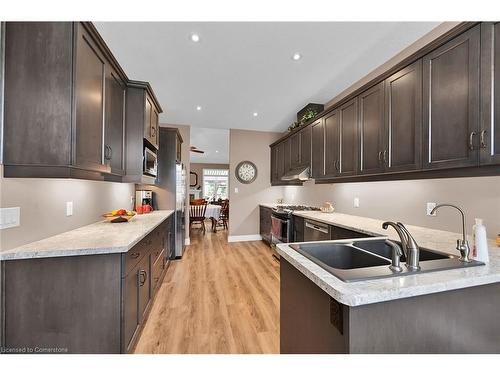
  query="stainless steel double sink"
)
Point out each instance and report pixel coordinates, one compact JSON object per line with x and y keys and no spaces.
{"x":354,"y":260}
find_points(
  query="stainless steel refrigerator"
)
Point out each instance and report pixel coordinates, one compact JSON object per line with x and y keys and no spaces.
{"x":180,"y":204}
{"x":171,"y":181}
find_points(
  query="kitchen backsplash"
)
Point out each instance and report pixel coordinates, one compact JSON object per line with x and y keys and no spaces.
{"x":406,"y":200}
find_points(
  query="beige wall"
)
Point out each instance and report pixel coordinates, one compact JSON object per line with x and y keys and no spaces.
{"x":198,"y":169}
{"x":43,"y":205}
{"x":406,"y":200}
{"x":243,"y":207}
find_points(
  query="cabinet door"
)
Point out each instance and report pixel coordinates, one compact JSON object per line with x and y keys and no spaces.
{"x":371,"y":130}
{"x":318,"y":149}
{"x":489,"y":138}
{"x":130,"y":316}
{"x":89,"y":98}
{"x":305,"y":147}
{"x":115,"y":123}
{"x":143,"y":286}
{"x":332,"y":143}
{"x":286,"y":156}
{"x":274,"y":169}
{"x":265,"y":223}
{"x":280,"y":161}
{"x":349,"y":140}
{"x":148,"y":109}
{"x":403,"y":136}
{"x":451,"y":103}
{"x":295,"y":150}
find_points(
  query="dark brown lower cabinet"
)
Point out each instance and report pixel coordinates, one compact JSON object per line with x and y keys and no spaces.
{"x":265,"y":223}
{"x":311,"y":322}
{"x":82,"y":304}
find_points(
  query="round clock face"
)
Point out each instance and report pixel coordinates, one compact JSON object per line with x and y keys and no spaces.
{"x":246,"y":172}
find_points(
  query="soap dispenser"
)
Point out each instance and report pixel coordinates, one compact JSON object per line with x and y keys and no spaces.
{"x":479,"y":242}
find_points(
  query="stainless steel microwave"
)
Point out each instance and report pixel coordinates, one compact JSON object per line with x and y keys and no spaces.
{"x":150,"y":167}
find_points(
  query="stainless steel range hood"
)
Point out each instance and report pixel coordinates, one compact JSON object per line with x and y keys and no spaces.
{"x":300,"y":174}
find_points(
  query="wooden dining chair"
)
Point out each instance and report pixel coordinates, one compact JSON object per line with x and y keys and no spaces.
{"x":224,"y":213}
{"x":197,"y":214}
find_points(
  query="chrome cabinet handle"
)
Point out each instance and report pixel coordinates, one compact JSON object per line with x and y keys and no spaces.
{"x":337,"y":165}
{"x":385,"y":156}
{"x":482,"y":140}
{"x":380,"y":156}
{"x":471,"y":141}
{"x":110,"y":153}
{"x":142,"y":275}
{"x":135,"y":255}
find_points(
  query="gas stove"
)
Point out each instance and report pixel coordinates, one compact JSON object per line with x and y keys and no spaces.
{"x":291,"y":208}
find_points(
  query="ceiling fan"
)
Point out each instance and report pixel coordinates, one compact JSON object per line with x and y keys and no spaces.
{"x":195,"y":149}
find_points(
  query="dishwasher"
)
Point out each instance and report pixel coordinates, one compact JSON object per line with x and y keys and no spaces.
{"x":315,"y":231}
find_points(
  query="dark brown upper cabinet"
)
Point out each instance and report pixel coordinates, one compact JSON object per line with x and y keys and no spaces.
{"x":403,"y":118}
{"x":489,"y":136}
{"x":318,"y":149}
{"x":287,"y":158}
{"x":151,"y":121}
{"x":141,"y":107}
{"x":305,"y":146}
{"x":70,"y":121}
{"x":114,"y":132}
{"x":372,"y":130}
{"x":451,"y":103}
{"x":332,"y":143}
{"x":295,"y":150}
{"x":300,"y":148}
{"x":349,"y":139}
{"x":90,"y":80}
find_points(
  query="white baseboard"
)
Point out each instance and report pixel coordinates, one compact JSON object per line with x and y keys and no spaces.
{"x":246,"y":237}
{"x":187,"y":241}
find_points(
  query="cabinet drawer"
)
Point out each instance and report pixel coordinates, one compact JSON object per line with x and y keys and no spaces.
{"x":157,"y":268}
{"x":135,"y":254}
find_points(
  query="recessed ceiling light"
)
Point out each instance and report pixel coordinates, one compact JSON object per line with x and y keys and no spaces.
{"x":255,"y":114}
{"x":296,"y":56}
{"x":217,"y":151}
{"x":195,"y":38}
{"x":198,"y":108}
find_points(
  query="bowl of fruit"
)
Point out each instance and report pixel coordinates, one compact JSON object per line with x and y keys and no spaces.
{"x":119,"y":216}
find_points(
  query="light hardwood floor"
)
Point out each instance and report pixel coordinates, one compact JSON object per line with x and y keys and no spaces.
{"x":220,"y":298}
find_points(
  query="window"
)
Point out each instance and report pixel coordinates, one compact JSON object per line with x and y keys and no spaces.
{"x":215,"y":183}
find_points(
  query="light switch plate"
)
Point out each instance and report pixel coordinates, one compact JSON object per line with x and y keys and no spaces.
{"x":69,"y":208}
{"x":356,"y":202}
{"x":236,"y":190}
{"x":10,"y":217}
{"x":430,"y":206}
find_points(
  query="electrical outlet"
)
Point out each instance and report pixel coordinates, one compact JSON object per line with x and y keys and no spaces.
{"x":10,"y":217}
{"x":69,"y":208}
{"x":430,"y":207}
{"x":356,"y":202}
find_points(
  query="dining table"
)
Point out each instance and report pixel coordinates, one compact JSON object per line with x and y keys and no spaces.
{"x":213,"y":213}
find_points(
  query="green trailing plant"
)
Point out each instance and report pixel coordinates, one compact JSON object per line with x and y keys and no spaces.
{"x":308,"y":115}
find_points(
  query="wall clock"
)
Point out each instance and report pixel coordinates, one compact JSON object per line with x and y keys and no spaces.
{"x":246,"y":172}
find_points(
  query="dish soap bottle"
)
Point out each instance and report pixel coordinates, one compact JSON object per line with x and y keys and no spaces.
{"x":479,"y":242}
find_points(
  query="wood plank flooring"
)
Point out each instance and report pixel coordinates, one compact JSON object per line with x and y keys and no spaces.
{"x":220,"y":298}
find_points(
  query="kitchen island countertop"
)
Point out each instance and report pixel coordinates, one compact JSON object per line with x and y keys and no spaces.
{"x":101,"y":237}
{"x":380,"y":290}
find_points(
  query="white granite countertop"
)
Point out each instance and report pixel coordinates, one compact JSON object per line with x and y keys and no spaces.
{"x":379,"y":290}
{"x":98,"y":238}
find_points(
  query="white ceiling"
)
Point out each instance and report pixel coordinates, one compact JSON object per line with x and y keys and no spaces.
{"x":240,"y":68}
{"x":215,"y":143}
